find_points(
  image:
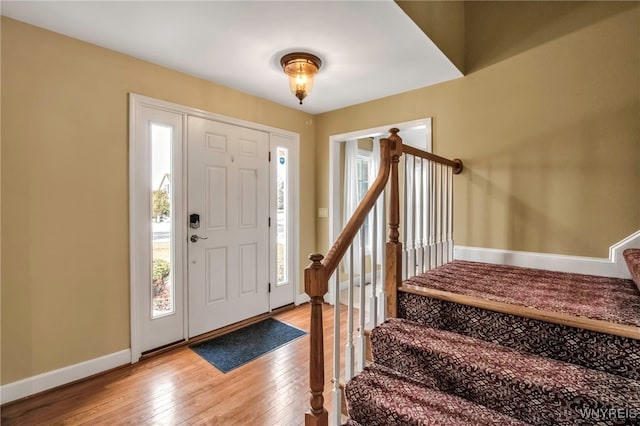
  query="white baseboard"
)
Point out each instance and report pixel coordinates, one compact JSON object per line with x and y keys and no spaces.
{"x":614,"y":266}
{"x":615,"y":254}
{"x":41,"y":382}
{"x":301,"y":298}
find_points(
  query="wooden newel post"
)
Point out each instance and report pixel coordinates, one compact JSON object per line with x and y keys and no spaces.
{"x":394,"y":246}
{"x":316,"y":285}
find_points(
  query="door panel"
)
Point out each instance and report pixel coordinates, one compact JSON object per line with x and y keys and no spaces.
{"x":248,"y":199}
{"x":216,"y":274}
{"x":229,"y":188}
{"x":216,"y":206}
{"x":248,"y":268}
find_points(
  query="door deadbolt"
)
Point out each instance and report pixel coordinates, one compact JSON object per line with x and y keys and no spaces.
{"x":194,"y":221}
{"x":194,"y":238}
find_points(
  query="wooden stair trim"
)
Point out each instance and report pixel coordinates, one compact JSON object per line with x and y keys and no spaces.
{"x":600,"y":326}
{"x":343,"y":399}
{"x":367,"y":343}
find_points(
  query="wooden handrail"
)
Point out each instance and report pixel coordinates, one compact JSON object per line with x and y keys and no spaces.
{"x":456,"y":163}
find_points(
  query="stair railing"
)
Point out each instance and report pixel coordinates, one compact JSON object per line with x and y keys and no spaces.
{"x":316,"y":278}
{"x":428,"y":210}
{"x":427,"y":213}
{"x":427,"y":228}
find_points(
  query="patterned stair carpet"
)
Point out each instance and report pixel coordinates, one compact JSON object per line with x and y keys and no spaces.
{"x":591,"y":349}
{"x":511,"y":382}
{"x":452,"y":364}
{"x":601,"y":298}
{"x":378,"y":396}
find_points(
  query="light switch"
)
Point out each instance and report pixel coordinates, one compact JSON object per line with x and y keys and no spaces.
{"x":323,"y":212}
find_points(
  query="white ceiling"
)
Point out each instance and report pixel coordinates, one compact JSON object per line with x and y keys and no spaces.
{"x":369,"y":49}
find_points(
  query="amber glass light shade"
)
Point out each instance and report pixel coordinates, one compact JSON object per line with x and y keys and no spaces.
{"x":301,"y":68}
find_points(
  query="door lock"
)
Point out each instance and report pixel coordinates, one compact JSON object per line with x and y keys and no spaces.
{"x":194,"y":238}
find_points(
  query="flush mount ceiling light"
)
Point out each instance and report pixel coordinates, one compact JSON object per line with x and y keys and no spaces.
{"x":300,"y":67}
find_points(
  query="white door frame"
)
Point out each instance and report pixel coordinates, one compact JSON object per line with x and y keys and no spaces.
{"x":135,"y":227}
{"x":335,"y":203}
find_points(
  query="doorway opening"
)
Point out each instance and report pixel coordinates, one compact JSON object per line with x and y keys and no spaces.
{"x":362,"y":144}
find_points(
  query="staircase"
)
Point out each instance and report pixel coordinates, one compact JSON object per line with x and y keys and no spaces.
{"x":423,"y":375}
{"x":446,"y":363}
{"x":462,"y":347}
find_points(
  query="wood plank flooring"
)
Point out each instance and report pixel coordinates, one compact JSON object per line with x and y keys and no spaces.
{"x":181,"y":388}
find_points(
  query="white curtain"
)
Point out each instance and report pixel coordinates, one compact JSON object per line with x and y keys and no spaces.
{"x":381,"y":235}
{"x":350,"y":202}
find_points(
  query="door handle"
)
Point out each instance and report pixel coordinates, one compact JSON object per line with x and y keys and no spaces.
{"x":194,"y":238}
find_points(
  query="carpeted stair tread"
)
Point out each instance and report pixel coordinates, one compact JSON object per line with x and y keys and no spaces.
{"x":379,"y":396}
{"x":615,"y":300}
{"x":515,"y":383}
{"x":591,"y":349}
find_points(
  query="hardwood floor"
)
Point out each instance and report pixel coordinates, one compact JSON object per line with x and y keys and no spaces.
{"x":181,"y":388}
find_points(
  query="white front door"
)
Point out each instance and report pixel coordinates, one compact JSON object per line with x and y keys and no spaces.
{"x":228,"y":214}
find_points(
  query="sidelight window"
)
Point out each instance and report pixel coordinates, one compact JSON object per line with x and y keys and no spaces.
{"x":162,"y":287}
{"x":282,"y":212}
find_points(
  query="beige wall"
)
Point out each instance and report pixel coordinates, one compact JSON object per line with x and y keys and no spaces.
{"x":65,"y":281}
{"x":547,"y":123}
{"x":443,"y":23}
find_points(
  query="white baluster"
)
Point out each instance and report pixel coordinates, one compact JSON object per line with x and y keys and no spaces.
{"x":427,"y":215}
{"x":405,"y":251}
{"x":440,"y":217}
{"x":382,"y":295}
{"x":414,"y":214}
{"x":432,"y":217}
{"x":451,"y":243}
{"x":448,"y":219}
{"x":361,"y":342}
{"x":336,"y":392}
{"x":349,"y":360}
{"x":419,"y":219}
{"x":444,"y":172}
{"x":373,"y":299}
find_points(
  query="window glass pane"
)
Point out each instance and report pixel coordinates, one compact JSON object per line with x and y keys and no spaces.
{"x":162,"y":293}
{"x":363,"y":165}
{"x":282,"y":201}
